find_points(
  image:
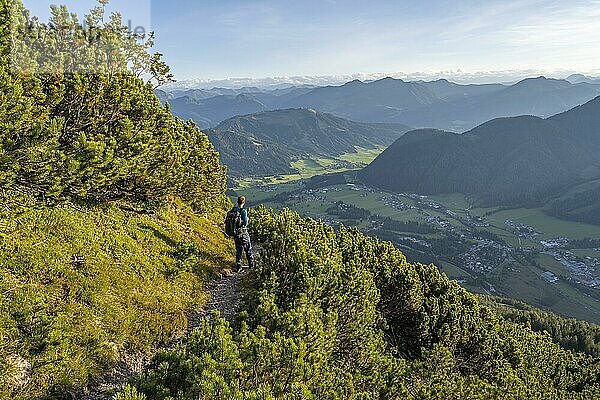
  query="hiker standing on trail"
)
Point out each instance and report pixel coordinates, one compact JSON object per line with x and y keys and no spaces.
{"x":236,"y":226}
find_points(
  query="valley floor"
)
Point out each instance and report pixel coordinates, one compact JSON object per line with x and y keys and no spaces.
{"x":307,"y":168}
{"x":519,"y":253}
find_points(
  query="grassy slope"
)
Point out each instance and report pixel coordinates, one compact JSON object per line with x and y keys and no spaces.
{"x":62,"y":323}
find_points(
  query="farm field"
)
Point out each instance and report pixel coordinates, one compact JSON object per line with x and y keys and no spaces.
{"x":307,"y":168}
{"x":549,"y":226}
{"x":488,"y":250}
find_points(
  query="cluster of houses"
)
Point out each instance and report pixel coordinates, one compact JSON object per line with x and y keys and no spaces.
{"x":487,"y":255}
{"x":556,"y":243}
{"x":266,"y":188}
{"x":359,"y":188}
{"x":522,"y":230}
{"x":550,"y":277}
{"x":581,"y":270}
{"x":476,"y":221}
{"x":439,"y":221}
{"x":396,"y":203}
{"x":336,"y":165}
{"x":414,"y":240}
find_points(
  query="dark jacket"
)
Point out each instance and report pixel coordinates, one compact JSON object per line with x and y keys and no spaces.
{"x":244,"y":214}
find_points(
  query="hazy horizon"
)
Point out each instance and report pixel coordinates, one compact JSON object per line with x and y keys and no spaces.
{"x":484,"y":77}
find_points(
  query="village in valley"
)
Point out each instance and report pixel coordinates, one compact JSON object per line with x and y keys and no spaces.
{"x":470,"y":244}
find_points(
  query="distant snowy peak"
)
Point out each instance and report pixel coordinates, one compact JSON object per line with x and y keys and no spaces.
{"x":272,"y":83}
{"x":283,"y":82}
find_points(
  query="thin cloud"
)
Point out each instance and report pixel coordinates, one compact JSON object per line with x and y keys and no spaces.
{"x":203,"y":38}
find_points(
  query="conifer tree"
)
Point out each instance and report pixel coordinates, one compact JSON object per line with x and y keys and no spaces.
{"x":80,"y":119}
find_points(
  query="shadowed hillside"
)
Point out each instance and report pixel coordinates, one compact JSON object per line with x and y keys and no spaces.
{"x":266,"y":143}
{"x":508,"y":161}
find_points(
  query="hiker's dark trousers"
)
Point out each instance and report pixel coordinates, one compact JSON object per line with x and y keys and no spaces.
{"x":242,"y":244}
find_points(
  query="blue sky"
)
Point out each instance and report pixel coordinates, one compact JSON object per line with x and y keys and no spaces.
{"x":234,"y":38}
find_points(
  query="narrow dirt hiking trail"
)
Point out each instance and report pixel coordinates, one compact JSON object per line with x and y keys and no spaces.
{"x":224,"y":297}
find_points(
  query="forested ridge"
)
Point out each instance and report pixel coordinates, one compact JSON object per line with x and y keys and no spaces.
{"x":110,"y":230}
{"x":572,"y":334}
{"x":266,"y":143}
{"x":518,"y":161}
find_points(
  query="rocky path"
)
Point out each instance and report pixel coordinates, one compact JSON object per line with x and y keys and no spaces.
{"x":224,"y":297}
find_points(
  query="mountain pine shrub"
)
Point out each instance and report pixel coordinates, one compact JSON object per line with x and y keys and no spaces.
{"x":96,"y":135}
{"x":338,"y":315}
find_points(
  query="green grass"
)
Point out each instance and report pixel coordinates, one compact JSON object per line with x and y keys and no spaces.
{"x":456,"y":202}
{"x":509,"y":237}
{"x":70,"y":320}
{"x":257,"y":196}
{"x":453,"y":271}
{"x":587,"y":253}
{"x":548,"y":263}
{"x":523,"y":282}
{"x":483,"y":211}
{"x":250,"y":183}
{"x":550,"y":226}
{"x":362,"y":156}
{"x":307,"y":168}
{"x":372,"y":202}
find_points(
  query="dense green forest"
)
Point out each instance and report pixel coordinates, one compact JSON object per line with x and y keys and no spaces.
{"x":110,"y":229}
{"x":94,"y":136}
{"x":572,"y":334}
{"x":579,"y":206}
{"x":520,"y":161}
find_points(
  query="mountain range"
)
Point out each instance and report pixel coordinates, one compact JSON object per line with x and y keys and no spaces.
{"x":210,"y":111}
{"x":270,"y":83}
{"x":507,"y":161}
{"x":540,"y":96}
{"x":437,"y":104}
{"x":580,"y":78}
{"x":266,"y":143}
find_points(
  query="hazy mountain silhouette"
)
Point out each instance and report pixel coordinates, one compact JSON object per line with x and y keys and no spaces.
{"x":580,"y":78}
{"x":378,"y":101}
{"x":541,"y":97}
{"x":209,"y":112}
{"x":446,"y":90}
{"x":438,"y":104}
